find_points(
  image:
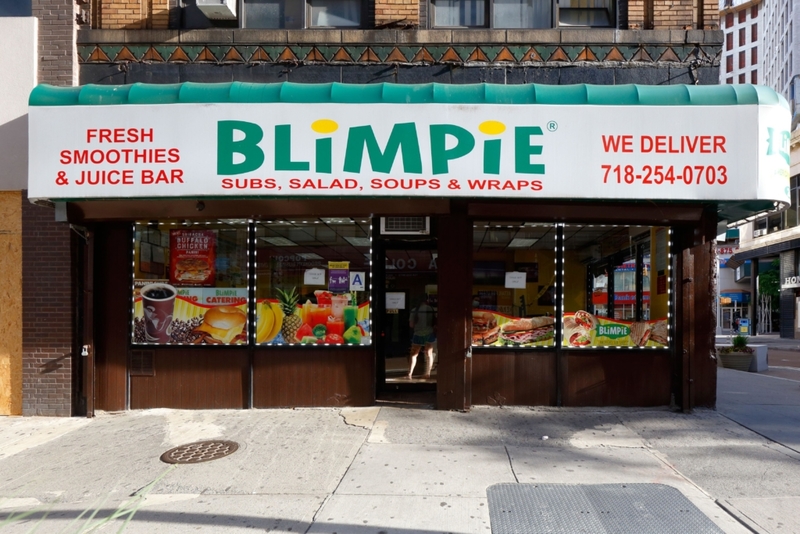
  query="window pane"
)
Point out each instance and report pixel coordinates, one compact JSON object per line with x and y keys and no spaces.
{"x":460,"y":12}
{"x":522,"y":14}
{"x":604,"y":303}
{"x":273,"y":14}
{"x":514,"y":284}
{"x":190,"y":283}
{"x":336,"y":13}
{"x":313,"y":282}
{"x":597,"y":13}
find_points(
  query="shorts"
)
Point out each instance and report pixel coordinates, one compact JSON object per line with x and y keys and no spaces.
{"x":423,"y":339}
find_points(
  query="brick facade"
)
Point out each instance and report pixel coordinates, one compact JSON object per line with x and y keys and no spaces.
{"x":57,"y":31}
{"x":47,"y":313}
{"x":132,"y":14}
{"x":674,"y":14}
{"x":400,"y":12}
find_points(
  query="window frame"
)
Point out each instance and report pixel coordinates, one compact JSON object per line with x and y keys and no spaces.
{"x":555,"y":17}
{"x":306,"y":22}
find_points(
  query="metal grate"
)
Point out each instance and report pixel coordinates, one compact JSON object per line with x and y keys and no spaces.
{"x":142,"y":363}
{"x":596,"y":508}
{"x":201,"y":451}
{"x":405,"y":225}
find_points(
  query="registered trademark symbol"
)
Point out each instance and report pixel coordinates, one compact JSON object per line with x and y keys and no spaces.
{"x":552,"y":126}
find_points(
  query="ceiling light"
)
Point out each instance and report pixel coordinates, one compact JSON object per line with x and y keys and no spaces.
{"x":337,"y":220}
{"x":279,"y":241}
{"x":358,"y":241}
{"x":309,"y":256}
{"x":521,"y":242}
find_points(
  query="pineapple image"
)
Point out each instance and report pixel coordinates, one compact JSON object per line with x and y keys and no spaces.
{"x":291,"y":321}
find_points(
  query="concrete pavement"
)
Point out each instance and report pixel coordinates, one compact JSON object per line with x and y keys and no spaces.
{"x":396,"y":469}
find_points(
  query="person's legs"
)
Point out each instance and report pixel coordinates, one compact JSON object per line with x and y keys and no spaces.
{"x":412,"y":359}
{"x":428,"y":360}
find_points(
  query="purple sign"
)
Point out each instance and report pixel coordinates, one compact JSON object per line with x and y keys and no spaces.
{"x":339,"y":280}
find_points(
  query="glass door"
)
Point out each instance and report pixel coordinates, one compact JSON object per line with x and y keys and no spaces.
{"x":408,"y":347}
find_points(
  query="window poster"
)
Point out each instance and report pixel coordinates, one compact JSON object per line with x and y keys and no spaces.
{"x":492,"y":328}
{"x":327,"y":319}
{"x":167,"y":314}
{"x":192,"y":257}
{"x":582,"y":329}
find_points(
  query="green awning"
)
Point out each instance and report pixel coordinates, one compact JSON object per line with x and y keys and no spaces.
{"x":389,"y":93}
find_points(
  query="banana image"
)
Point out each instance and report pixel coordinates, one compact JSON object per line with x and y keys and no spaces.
{"x":270,"y":318}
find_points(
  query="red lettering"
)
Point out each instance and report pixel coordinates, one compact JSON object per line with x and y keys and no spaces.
{"x":618,"y":143}
{"x":719,"y":144}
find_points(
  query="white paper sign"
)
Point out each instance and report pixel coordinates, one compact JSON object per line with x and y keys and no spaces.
{"x":357,"y":279}
{"x":515,"y":280}
{"x":314,"y":277}
{"x":395,"y":301}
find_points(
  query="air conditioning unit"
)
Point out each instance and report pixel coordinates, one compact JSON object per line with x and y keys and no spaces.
{"x":218,"y":9}
{"x":405,"y":225}
{"x":759,"y":233}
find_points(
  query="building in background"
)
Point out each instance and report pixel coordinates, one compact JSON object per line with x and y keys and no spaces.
{"x":761,"y":43}
{"x":741,"y":22}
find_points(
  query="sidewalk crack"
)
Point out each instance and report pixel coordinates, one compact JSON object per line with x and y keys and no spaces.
{"x":511,"y":465}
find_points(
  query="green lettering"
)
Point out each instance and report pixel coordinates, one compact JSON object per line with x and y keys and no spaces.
{"x":247,"y":147}
{"x":523,"y":150}
{"x":323,"y":155}
{"x":283,"y":150}
{"x":491,"y":156}
{"x":403,"y":138}
{"x":440,"y":154}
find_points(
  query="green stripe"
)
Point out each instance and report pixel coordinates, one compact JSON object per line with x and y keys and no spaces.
{"x":432,"y":93}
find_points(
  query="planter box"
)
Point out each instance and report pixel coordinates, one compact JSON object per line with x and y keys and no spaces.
{"x":755,"y":362}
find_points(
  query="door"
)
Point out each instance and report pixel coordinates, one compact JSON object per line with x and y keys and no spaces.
{"x":406,"y":319}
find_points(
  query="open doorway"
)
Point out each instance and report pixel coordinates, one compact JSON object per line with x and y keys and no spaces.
{"x":407,"y":320}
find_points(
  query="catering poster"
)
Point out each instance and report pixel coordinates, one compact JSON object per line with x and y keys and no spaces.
{"x":192,"y":257}
{"x":582,"y":329}
{"x":167,"y":315}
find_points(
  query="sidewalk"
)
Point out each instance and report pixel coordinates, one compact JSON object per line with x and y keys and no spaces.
{"x":398,"y":470}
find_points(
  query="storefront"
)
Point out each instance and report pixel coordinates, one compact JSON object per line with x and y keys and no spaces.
{"x":286,"y":245}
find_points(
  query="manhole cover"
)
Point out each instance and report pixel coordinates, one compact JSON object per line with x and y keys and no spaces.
{"x":201,"y":451}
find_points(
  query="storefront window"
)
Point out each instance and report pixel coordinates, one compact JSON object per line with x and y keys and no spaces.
{"x":190,"y":283}
{"x":313,"y":282}
{"x":514,"y":284}
{"x":613,"y":294}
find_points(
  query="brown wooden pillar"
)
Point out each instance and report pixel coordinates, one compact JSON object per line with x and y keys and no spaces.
{"x":454,"y":372}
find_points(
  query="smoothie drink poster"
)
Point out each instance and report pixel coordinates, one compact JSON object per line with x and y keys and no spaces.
{"x":192,"y":257}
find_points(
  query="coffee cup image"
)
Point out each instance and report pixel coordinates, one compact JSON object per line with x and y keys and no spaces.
{"x":158,"y":303}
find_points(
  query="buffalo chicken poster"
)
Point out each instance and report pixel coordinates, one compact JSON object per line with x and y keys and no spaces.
{"x":192,"y":257}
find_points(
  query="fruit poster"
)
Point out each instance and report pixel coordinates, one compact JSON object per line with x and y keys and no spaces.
{"x":582,"y":329}
{"x":192,"y":257}
{"x":331,"y":319}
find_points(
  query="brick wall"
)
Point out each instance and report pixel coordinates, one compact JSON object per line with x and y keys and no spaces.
{"x":131,"y":14}
{"x":57,"y":30}
{"x":673,"y":14}
{"x":47,"y":313}
{"x":404,"y":12}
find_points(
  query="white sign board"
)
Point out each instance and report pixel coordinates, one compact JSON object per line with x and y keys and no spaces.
{"x":314,"y":277}
{"x":516,"y":280}
{"x":389,"y":150}
{"x":395,"y":301}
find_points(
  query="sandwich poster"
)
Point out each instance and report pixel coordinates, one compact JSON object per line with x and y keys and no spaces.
{"x":582,"y":329}
{"x":192,"y":257}
{"x":498,"y":330}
